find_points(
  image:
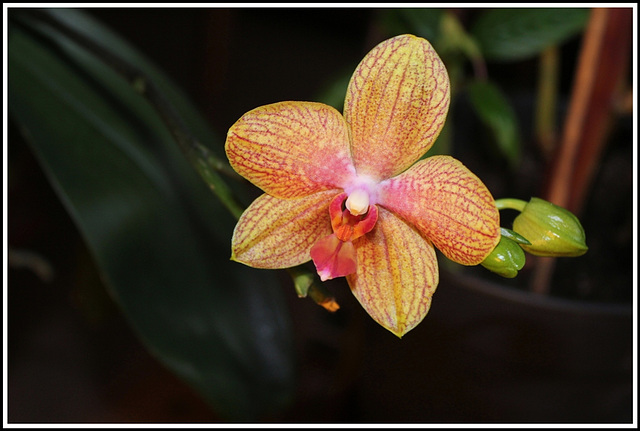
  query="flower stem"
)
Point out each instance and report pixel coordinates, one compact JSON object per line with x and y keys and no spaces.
{"x":510,"y":203}
{"x":546,"y":102}
{"x":205,"y":164}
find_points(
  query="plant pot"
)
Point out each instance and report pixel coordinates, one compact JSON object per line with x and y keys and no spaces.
{"x":490,"y":353}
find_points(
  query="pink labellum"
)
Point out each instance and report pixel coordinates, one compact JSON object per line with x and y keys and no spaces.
{"x":333,"y":258}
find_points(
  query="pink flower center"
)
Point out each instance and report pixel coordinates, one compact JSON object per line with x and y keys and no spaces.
{"x":351,"y":223}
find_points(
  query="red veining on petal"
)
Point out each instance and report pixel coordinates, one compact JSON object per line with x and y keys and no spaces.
{"x":291,"y":149}
{"x":396,"y":105}
{"x":278,"y":233}
{"x":449,"y":204}
{"x":397,"y":273}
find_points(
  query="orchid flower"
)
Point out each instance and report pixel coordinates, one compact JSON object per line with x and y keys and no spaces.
{"x":351,"y":192}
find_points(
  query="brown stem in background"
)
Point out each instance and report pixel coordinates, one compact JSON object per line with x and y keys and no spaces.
{"x":612,"y":71}
{"x":602,"y":64}
{"x":559,"y":187}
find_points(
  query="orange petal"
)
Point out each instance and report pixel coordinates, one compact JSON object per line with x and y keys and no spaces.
{"x":278,"y":233}
{"x":449,"y":204}
{"x":397,"y":274}
{"x":396,"y":105}
{"x":291,"y":149}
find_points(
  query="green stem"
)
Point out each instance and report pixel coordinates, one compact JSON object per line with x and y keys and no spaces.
{"x":546,"y":102}
{"x":302,"y":279}
{"x":306,"y":284}
{"x":510,"y":203}
{"x":204,"y":163}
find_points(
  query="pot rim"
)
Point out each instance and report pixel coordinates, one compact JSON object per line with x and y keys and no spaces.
{"x":507,"y":293}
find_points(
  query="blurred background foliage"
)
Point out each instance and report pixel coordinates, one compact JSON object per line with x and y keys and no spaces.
{"x":129,"y":279}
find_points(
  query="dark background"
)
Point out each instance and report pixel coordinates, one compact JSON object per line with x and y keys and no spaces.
{"x":72,"y":355}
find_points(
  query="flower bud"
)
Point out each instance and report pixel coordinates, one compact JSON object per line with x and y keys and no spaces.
{"x":551,"y":230}
{"x":506,"y":259}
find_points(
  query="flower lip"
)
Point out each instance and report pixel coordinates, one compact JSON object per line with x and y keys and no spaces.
{"x":348,"y":226}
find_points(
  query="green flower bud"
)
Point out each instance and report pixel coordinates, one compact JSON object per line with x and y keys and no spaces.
{"x":506,"y":259}
{"x":551,"y":230}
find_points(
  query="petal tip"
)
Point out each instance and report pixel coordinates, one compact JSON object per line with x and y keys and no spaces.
{"x":398,"y":334}
{"x":400,"y":330}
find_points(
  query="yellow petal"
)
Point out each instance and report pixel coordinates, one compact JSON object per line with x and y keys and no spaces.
{"x":278,"y":233}
{"x":291,"y":149}
{"x":449,"y":205}
{"x":397,"y":274}
{"x":396,"y":105}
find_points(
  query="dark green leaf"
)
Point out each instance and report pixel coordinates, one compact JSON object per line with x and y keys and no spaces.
{"x":160,"y":238}
{"x":515,"y":34}
{"x":423,"y":22}
{"x":497,"y":114}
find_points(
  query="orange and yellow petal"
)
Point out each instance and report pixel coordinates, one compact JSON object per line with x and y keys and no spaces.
{"x":278,"y":233}
{"x":291,"y":149}
{"x":449,"y":205}
{"x":396,"y":275}
{"x":396,"y":105}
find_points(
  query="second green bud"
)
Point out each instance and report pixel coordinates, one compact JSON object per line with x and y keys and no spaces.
{"x":506,"y":259}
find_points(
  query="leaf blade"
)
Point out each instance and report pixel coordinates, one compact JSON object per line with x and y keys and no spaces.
{"x":148,"y":218}
{"x":498,"y":115}
{"x":520,"y":33}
